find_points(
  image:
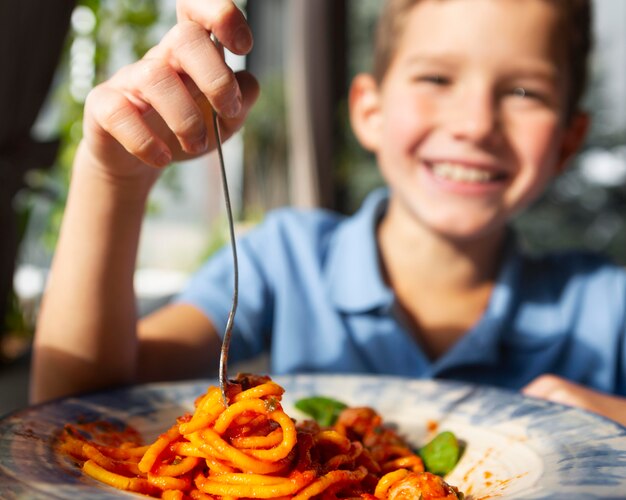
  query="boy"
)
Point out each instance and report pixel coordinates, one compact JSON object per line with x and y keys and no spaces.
{"x":471,"y":111}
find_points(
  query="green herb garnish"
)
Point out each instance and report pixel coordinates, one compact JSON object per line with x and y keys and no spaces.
{"x":441,"y":454}
{"x":322,"y":409}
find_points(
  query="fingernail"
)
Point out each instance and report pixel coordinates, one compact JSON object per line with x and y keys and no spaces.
{"x":163,"y":159}
{"x":234,"y":107}
{"x":243,"y":40}
{"x":199,"y":145}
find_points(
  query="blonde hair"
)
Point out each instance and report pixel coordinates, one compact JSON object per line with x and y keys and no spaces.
{"x":576,"y":26}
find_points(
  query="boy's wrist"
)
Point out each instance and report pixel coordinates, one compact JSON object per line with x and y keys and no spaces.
{"x":130,"y":181}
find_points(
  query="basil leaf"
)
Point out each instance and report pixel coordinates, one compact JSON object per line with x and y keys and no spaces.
{"x":441,"y":454}
{"x":322,"y":409}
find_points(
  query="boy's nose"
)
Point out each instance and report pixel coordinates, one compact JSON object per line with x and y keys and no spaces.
{"x":473,"y":116}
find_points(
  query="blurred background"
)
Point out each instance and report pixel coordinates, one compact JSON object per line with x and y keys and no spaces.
{"x":296,"y":148}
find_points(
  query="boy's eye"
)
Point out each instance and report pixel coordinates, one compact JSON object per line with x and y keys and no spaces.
{"x":434,"y":79}
{"x":527,"y":93}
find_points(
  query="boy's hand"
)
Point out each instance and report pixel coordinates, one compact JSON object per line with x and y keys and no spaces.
{"x":563,"y":391}
{"x":159,"y":108}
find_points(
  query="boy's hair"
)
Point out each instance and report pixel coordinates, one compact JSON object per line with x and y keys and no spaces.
{"x":576,"y":26}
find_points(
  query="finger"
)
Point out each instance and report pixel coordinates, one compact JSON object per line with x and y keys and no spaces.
{"x":250,"y":91}
{"x":561,"y":391}
{"x":543,"y":386}
{"x":228,"y":126}
{"x":113,"y":112}
{"x":189,"y":49}
{"x":161,"y":87}
{"x":221,"y":17}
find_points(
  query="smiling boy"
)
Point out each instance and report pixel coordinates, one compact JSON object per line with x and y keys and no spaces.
{"x":469,"y":124}
{"x":471,"y":111}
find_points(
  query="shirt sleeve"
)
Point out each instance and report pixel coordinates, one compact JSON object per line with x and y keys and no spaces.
{"x":211,"y":290}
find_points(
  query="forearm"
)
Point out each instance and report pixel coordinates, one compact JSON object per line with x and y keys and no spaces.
{"x":86,"y":333}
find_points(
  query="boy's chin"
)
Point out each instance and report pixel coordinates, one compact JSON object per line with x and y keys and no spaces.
{"x":465,"y":233}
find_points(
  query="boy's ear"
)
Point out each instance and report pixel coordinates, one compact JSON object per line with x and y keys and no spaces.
{"x":573,"y":140}
{"x":364,"y":102}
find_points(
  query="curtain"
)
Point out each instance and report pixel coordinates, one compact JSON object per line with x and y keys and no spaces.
{"x":32,"y":35}
{"x":316,"y":75}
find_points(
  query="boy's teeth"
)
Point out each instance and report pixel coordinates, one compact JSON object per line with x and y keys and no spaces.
{"x":460,"y":173}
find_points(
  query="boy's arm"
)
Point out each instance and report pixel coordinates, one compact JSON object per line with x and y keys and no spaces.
{"x":563,"y":391}
{"x":147,"y":114}
{"x":177,"y":341}
{"x":85,"y":335}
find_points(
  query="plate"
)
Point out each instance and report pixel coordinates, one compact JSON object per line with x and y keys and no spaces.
{"x":516,"y":447}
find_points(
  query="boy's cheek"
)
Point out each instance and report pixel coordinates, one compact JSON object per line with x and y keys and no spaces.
{"x":406,"y":125}
{"x":538,"y":143}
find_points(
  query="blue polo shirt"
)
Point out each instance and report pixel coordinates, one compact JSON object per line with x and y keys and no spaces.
{"x":311,"y":294}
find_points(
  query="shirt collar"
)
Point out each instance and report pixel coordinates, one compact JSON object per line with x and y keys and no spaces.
{"x":352,"y":274}
{"x":355,"y":283}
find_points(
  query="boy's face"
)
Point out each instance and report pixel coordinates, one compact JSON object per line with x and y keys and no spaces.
{"x":468,"y":124}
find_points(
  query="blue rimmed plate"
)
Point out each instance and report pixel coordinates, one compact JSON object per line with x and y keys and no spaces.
{"x":516,"y":447}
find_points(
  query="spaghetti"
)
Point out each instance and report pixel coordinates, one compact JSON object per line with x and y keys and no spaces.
{"x":253,"y":449}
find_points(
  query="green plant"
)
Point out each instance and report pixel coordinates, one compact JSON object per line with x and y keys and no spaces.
{"x":101,"y":31}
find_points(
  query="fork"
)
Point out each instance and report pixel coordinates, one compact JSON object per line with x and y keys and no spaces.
{"x":223,"y":369}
